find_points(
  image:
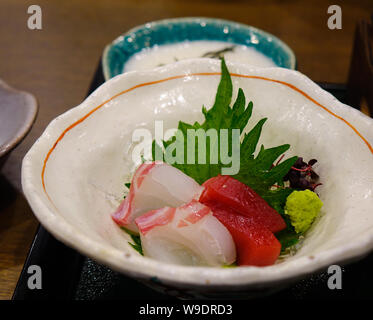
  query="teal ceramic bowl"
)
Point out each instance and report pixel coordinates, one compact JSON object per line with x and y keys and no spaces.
{"x":171,"y":31}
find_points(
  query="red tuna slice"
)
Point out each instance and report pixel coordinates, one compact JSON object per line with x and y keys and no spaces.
{"x":233,"y":193}
{"x":255,"y":245}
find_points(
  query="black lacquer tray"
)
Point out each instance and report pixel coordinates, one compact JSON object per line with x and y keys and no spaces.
{"x":66,"y":274}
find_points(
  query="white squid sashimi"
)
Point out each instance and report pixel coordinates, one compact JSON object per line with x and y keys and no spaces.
{"x":155,"y":185}
{"x":188,"y":235}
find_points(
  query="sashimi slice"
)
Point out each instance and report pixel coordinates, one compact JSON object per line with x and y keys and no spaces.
{"x":187,"y":235}
{"x":255,"y":245}
{"x":233,"y":193}
{"x":155,"y":185}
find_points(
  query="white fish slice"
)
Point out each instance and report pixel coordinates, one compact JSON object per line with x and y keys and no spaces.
{"x":155,"y":185}
{"x":188,"y":235}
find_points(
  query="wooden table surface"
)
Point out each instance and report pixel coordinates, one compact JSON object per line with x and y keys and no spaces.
{"x":57,"y":63}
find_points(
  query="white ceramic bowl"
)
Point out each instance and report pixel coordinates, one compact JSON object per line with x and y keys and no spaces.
{"x":85,"y":155}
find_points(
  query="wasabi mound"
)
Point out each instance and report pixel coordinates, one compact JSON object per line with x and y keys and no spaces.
{"x":302,"y":207}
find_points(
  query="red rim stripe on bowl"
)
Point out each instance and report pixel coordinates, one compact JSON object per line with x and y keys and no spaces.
{"x":189,"y":75}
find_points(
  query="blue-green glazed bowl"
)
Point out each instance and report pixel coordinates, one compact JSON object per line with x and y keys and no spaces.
{"x":171,"y":31}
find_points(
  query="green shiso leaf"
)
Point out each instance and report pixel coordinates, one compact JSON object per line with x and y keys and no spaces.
{"x":277,"y":199}
{"x":258,"y":171}
{"x":136,"y":240}
{"x":128,"y":186}
{"x":287,"y":237}
{"x":233,"y":265}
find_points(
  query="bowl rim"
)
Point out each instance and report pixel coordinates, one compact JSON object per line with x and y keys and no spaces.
{"x":183,"y":275}
{"x":27,"y":124}
{"x":120,"y":38}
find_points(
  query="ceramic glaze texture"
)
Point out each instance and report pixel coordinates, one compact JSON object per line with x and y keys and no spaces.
{"x":85,"y":172}
{"x":175,"y":31}
{"x":18,"y":111}
{"x":150,"y":58}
